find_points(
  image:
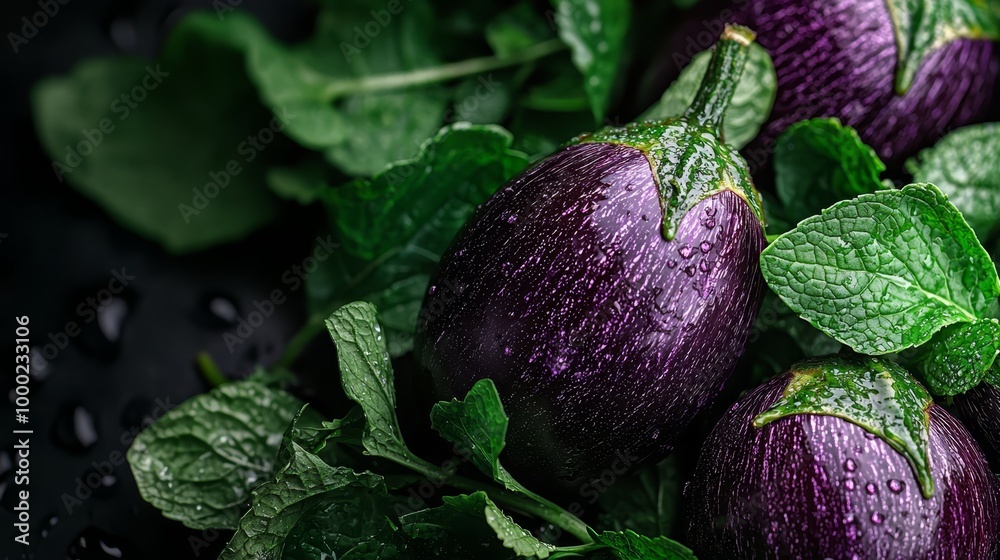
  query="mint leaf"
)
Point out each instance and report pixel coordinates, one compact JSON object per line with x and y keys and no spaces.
{"x":458,"y":527}
{"x":323,"y":81}
{"x":394,"y":227}
{"x":958,"y":357}
{"x":595,"y":32}
{"x":885,"y":271}
{"x":310,"y":432}
{"x":820,"y":162}
{"x":514,"y":537}
{"x":965,"y":167}
{"x":366,"y":374}
{"x":199,"y":462}
{"x":478,"y":424}
{"x":751,"y":104}
{"x":645,"y":502}
{"x":873,"y":393}
{"x":629,"y":545}
{"x":155,"y":131}
{"x":310,"y":493}
{"x":924,"y":25}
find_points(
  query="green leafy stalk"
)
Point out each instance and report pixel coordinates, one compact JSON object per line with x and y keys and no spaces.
{"x":436,"y":74}
{"x":723,"y":75}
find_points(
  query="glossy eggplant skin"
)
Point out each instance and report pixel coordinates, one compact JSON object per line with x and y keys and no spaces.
{"x":603,"y":338}
{"x":979,"y":410}
{"x":838,"y":58}
{"x":810,"y":487}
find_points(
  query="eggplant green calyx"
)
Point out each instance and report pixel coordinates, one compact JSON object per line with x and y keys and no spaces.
{"x":872,"y":393}
{"x":686,"y":153}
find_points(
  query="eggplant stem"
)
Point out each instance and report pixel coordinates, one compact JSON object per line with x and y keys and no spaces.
{"x":723,"y":75}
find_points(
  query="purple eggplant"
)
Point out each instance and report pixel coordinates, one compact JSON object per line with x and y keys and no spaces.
{"x":607,"y":291}
{"x":811,"y":486}
{"x":979,"y":410}
{"x":838,"y":58}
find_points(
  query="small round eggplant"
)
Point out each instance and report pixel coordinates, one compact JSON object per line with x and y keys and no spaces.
{"x":979,"y":410}
{"x":838,"y":58}
{"x":607,"y":291}
{"x":812,"y":486}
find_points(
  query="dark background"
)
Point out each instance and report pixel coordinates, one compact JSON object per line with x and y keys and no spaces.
{"x":60,"y":248}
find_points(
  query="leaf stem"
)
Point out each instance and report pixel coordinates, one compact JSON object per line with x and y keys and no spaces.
{"x":210,"y":370}
{"x":442,"y":73}
{"x":541,"y":508}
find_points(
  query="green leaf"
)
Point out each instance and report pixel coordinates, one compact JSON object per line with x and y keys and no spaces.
{"x":751,"y":104}
{"x":477,"y":426}
{"x":305,"y":183}
{"x":958,"y":357}
{"x":774,"y":314}
{"x":645,"y":502}
{"x":629,"y":545}
{"x":595,"y":32}
{"x":885,"y":271}
{"x":457,"y":527}
{"x":366,"y":374}
{"x":820,"y":162}
{"x":395,"y":227}
{"x":359,"y":131}
{"x":310,"y":506}
{"x":517,"y":28}
{"x":873,"y":393}
{"x":924,"y":25}
{"x":199,"y":462}
{"x":965,"y":167}
{"x":321,"y":437}
{"x":145,"y":137}
{"x":515,"y":537}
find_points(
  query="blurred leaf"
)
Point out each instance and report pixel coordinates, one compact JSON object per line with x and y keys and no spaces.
{"x":395,"y":226}
{"x":820,"y":162}
{"x":517,"y":28}
{"x":360,"y":132}
{"x":304,"y":183}
{"x":176,"y":149}
{"x":751,"y":104}
{"x":965,"y":166}
{"x":595,"y":31}
{"x":645,"y":501}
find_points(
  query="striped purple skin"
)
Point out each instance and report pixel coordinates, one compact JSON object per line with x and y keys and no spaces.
{"x":603,"y":338}
{"x":979,"y":410}
{"x":837,"y":58}
{"x":814,"y":487}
